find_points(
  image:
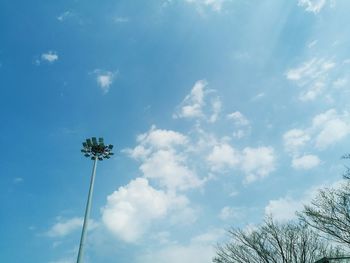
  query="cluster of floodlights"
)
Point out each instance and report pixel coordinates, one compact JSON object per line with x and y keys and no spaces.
{"x":96,"y":149}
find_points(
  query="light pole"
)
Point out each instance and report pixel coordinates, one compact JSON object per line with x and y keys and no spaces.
{"x":97,"y":151}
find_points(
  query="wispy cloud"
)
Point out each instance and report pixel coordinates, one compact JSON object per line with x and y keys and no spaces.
{"x":215,"y":5}
{"x":65,"y":227}
{"x":105,"y":79}
{"x":314,"y":6}
{"x":65,"y":15}
{"x":199,"y":105}
{"x":18,"y":180}
{"x":48,"y":57}
{"x":121,"y":19}
{"x":312,"y":76}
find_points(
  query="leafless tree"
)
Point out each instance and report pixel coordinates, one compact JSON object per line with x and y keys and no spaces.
{"x":291,"y":242}
{"x":329,"y":213}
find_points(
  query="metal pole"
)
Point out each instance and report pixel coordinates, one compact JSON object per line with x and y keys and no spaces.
{"x":87,"y":213}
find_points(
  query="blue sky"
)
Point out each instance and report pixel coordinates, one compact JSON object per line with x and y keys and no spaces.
{"x":220,"y":111}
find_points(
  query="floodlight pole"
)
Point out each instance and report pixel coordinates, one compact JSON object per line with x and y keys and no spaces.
{"x":97,"y":151}
{"x":87,"y":212}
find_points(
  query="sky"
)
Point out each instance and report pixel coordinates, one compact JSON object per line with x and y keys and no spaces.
{"x":220,"y":112}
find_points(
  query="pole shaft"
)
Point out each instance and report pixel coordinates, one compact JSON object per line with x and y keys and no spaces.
{"x":87,"y":213}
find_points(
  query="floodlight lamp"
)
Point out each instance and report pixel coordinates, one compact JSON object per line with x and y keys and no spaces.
{"x":96,"y":149}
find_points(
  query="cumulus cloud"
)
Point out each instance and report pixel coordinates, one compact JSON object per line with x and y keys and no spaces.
{"x":163,"y":159}
{"x":200,"y":249}
{"x":198,"y":105}
{"x":65,"y":227}
{"x":105,"y":79}
{"x":170,"y":170}
{"x":314,"y":6}
{"x":325,"y":130}
{"x":312,"y":76}
{"x":162,"y":139}
{"x":131,"y":209}
{"x":223,"y":156}
{"x":294,"y":139}
{"x":305,"y":162}
{"x":331,"y":127}
{"x":285,"y":208}
{"x":256,"y":163}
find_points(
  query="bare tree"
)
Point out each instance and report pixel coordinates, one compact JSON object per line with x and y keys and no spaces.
{"x":291,"y":242}
{"x":329,"y":213}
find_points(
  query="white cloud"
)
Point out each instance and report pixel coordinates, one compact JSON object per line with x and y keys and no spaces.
{"x":305,"y":162}
{"x":313,"y":6}
{"x":18,"y":180}
{"x":193,"y":103}
{"x":313,"y":92}
{"x":121,"y":19}
{"x":312,"y":43}
{"x":200,"y":249}
{"x":196,"y":105}
{"x":131,"y":209}
{"x":254,"y":162}
{"x":327,"y":128}
{"x":105,"y":79}
{"x":216,"y":107}
{"x":229,"y":213}
{"x":162,"y":139}
{"x":139,"y":152}
{"x":294,"y":139}
{"x":340,"y":82}
{"x":238,"y":118}
{"x":65,"y":227}
{"x":50,"y":56}
{"x":241,"y":122}
{"x":215,"y":5}
{"x":193,"y":253}
{"x":258,"y":96}
{"x":258,"y":162}
{"x":64,"y":16}
{"x":283,"y":209}
{"x":163,"y":154}
{"x":331,"y":128}
{"x":170,"y":170}
{"x":223,"y":156}
{"x":312,"y":76}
